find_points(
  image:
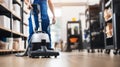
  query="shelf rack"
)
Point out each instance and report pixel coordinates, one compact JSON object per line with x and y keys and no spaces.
{"x":4,"y":32}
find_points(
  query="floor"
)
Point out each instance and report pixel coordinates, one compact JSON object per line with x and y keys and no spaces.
{"x":66,"y":59}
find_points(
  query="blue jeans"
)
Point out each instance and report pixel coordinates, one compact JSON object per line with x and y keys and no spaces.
{"x":33,"y":19}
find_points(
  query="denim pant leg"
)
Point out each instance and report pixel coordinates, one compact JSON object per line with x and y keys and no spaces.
{"x":45,"y":25}
{"x":30,"y":30}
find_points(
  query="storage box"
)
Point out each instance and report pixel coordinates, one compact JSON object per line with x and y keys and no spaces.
{"x":26,"y":30}
{"x":10,"y":4}
{"x":10,"y":43}
{"x":2,"y":46}
{"x":4,"y":21}
{"x":19,"y":45}
{"x":16,"y":26}
{"x":15,"y":45}
{"x":17,"y":10}
{"x":26,"y":16}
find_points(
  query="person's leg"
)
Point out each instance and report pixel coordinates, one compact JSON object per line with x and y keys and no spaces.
{"x":31,"y":31}
{"x":45,"y":25}
{"x":36,"y":18}
{"x":45,"y":19}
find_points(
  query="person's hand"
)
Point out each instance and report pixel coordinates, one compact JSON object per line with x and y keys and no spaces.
{"x":53,"y":20}
{"x":29,"y":6}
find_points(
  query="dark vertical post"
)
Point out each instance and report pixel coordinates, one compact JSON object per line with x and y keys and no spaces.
{"x":22,"y":22}
{"x":22,"y":16}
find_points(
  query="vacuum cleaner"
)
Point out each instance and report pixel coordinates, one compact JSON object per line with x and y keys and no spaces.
{"x":39,"y":42}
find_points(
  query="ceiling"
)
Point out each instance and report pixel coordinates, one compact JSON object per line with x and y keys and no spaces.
{"x":60,"y":3}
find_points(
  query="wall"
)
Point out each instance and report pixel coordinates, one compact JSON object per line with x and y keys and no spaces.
{"x":68,"y":13}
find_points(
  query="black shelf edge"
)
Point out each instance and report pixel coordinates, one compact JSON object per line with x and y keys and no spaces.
{"x":73,"y":21}
{"x":74,"y":35}
{"x":7,"y":51}
{"x":15,"y":17}
{"x":5,"y":32}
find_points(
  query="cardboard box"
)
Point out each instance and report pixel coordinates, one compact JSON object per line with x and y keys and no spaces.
{"x":20,"y":44}
{"x":15,"y":45}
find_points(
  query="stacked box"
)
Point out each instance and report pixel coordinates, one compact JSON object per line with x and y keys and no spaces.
{"x":26,"y":8}
{"x":15,"y":45}
{"x":26,"y":18}
{"x":26,"y":30}
{"x":10,"y":43}
{"x":16,"y":26}
{"x":4,"y":21}
{"x":16,"y":10}
{"x":10,"y":4}
{"x":19,"y":44}
{"x":7,"y":46}
{"x":25,"y":46}
{"x":3,"y":45}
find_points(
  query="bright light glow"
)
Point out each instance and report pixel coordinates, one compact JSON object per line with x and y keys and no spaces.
{"x":57,"y":12}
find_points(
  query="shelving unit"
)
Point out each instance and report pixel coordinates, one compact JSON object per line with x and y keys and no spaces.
{"x":93,"y":30}
{"x":74,"y":35}
{"x":111,"y":14}
{"x":108,"y":26}
{"x":5,"y":32}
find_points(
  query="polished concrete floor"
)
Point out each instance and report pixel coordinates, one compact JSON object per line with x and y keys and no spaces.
{"x":72,"y":59}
